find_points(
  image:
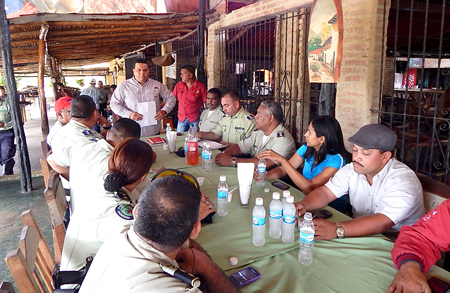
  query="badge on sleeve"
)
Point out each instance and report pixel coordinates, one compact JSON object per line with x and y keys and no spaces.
{"x":250,"y":117}
{"x":87,"y":132}
{"x":280,"y":134}
{"x":125,"y":211}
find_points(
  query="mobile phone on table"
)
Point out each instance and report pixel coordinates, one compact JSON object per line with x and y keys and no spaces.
{"x":438,"y":285}
{"x":322,"y":214}
{"x":281,"y":185}
{"x":245,"y":276}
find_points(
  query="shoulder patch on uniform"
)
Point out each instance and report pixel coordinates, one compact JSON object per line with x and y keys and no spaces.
{"x":280,"y":134}
{"x":125,"y":211}
{"x":87,"y":132}
{"x":93,"y":139}
{"x":250,"y":117}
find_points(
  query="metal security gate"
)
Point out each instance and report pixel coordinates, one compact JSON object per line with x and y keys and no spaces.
{"x":261,"y":61}
{"x":415,"y":98}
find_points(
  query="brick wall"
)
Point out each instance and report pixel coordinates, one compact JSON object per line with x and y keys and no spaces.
{"x":359,"y":86}
{"x":358,"y":89}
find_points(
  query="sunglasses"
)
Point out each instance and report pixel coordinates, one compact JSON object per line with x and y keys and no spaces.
{"x":174,"y":172}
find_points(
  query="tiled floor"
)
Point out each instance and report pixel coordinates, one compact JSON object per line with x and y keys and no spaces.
{"x":14,"y":202}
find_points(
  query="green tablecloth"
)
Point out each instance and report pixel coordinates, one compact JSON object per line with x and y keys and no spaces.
{"x":358,"y":264}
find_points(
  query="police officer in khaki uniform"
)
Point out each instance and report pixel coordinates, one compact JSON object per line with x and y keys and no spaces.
{"x":269,"y":135}
{"x":132,"y":261}
{"x":237,"y":125}
{"x":210,"y":117}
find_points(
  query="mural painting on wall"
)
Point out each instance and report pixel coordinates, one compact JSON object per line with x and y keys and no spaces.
{"x":16,"y":8}
{"x":325,"y":42}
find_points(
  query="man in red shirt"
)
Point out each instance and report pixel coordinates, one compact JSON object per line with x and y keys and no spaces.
{"x":190,"y":94}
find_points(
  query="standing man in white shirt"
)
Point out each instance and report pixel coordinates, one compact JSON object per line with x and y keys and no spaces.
{"x":141,"y":89}
{"x":384,"y":193}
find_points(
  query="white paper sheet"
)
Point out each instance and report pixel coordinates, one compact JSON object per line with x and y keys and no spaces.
{"x":148,"y":111}
{"x":213,"y":144}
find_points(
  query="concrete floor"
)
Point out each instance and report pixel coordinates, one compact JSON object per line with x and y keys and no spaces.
{"x":14,"y":202}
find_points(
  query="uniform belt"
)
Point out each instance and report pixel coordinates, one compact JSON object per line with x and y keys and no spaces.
{"x":5,"y":131}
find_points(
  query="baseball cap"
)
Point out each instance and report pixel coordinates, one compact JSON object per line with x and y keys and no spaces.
{"x":93,"y":81}
{"x":375,"y":136}
{"x":62,"y":103}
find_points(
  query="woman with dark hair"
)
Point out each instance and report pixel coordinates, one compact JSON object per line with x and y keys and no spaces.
{"x":323,"y":155}
{"x":107,"y":210}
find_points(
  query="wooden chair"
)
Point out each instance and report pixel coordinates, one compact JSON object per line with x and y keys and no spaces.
{"x":32,"y":263}
{"x":434,"y":192}
{"x":45,"y":166}
{"x":57,"y":204}
{"x":7,"y":287}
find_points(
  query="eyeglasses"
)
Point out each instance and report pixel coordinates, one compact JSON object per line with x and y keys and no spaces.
{"x":174,"y":172}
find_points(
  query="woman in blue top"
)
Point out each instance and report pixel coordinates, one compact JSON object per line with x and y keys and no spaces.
{"x":323,"y":155}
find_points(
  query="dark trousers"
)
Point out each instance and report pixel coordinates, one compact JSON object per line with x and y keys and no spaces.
{"x":7,"y":151}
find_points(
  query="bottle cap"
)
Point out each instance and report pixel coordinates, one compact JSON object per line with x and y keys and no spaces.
{"x":276,"y":195}
{"x":290,"y":199}
{"x":233,"y":261}
{"x":259,"y":201}
{"x":286,"y":193}
{"x":307,"y":216}
{"x":266,"y":190}
{"x":223,"y":178}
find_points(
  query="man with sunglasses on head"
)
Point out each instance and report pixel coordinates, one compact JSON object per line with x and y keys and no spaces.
{"x":385,"y":194}
{"x":141,"y":89}
{"x":268,"y":135}
{"x":191,"y":95}
{"x":166,"y":219}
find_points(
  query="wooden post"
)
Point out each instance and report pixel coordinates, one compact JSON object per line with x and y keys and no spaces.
{"x":201,"y":43}
{"x":326,"y":99}
{"x":41,"y":71}
{"x":54,"y":73}
{"x":13,"y":99}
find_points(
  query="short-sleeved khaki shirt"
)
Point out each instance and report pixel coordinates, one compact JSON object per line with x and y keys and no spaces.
{"x":207,"y":124}
{"x":280,"y":141}
{"x":236,"y":128}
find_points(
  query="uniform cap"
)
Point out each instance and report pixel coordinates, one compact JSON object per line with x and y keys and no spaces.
{"x":375,"y":136}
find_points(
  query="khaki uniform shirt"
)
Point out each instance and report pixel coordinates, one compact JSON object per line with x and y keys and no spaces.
{"x":5,"y":117}
{"x":125,"y":263}
{"x":207,"y":124}
{"x":236,"y":128}
{"x":280,"y":141}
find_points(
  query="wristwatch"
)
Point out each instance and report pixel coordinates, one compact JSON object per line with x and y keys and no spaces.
{"x":233,"y":161}
{"x":339,"y":230}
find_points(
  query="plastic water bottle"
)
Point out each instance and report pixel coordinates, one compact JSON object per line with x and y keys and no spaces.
{"x":208,"y":158}
{"x":192,"y":153}
{"x":259,"y":223}
{"x":288,"y":225}
{"x":186,"y":147}
{"x":203,"y":155}
{"x":222,"y":196}
{"x":305,"y":256}
{"x":168,"y":128}
{"x":286,"y":193}
{"x":275,"y":220}
{"x":261,"y":172}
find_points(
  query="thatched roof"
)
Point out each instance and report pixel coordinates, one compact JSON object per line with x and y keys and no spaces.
{"x":82,"y":39}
